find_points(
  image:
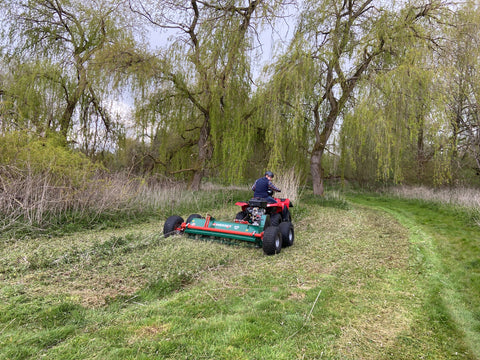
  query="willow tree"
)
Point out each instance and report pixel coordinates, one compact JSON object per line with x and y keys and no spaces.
{"x":395,"y":131}
{"x":461,"y":79}
{"x":67,"y":36}
{"x":337,"y":44}
{"x":208,"y":64}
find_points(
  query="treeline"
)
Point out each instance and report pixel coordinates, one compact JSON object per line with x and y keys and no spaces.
{"x":366,"y":90}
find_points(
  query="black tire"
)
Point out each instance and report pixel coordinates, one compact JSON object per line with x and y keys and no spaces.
{"x":242,"y":215}
{"x":170,"y":226}
{"x":268,"y":221}
{"x":288,"y":234}
{"x":286,"y":215}
{"x":275,"y":219}
{"x":272,"y":240}
{"x":193,"y":216}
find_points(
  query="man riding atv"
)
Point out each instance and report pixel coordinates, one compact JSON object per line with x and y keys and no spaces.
{"x":263,"y":188}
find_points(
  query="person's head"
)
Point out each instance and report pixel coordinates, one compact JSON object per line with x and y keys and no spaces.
{"x":269,"y":175}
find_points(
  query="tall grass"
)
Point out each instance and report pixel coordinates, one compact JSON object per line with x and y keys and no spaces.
{"x":289,"y":182}
{"x":464,"y":198}
{"x":34,"y":201}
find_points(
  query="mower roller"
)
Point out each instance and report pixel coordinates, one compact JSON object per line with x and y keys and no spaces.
{"x":265,"y":225}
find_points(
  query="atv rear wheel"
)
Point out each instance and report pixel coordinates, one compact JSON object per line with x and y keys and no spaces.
{"x":288,"y":235}
{"x":171,"y":225}
{"x":275,"y":219}
{"x":272,"y":240}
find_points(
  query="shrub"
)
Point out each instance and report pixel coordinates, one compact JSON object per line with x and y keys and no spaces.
{"x":39,"y":177}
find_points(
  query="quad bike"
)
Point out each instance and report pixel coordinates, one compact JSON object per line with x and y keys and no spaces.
{"x":266,"y":225}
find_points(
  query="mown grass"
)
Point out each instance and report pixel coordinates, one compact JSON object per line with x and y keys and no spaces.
{"x":447,"y":238}
{"x":367,"y":278}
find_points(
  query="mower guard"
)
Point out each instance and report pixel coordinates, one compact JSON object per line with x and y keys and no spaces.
{"x":238,"y":230}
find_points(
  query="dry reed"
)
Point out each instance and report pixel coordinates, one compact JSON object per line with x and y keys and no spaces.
{"x":465,"y":197}
{"x":35,"y":198}
{"x":289,"y":182}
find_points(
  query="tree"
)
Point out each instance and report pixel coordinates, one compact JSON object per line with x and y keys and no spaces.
{"x":461,"y":63}
{"x":393,"y":133}
{"x":208,"y":65}
{"x":335,"y":46}
{"x":69,"y":36}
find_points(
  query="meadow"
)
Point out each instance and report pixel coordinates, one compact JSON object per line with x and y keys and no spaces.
{"x":370,"y":276}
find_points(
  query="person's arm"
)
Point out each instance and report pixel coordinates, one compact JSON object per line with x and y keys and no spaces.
{"x":273,"y":187}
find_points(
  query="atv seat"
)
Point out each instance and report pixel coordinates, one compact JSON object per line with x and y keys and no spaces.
{"x":260,"y":203}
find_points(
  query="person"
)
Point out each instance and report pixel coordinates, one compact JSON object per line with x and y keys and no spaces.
{"x":261,"y":187}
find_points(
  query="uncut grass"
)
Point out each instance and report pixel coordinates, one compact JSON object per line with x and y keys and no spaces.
{"x":347,"y":289}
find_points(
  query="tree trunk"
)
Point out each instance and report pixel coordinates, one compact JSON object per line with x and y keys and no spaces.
{"x":421,"y":158}
{"x":204,"y":154}
{"x":66,"y":119}
{"x":73,"y":99}
{"x":321,"y":139}
{"x":317,"y":172}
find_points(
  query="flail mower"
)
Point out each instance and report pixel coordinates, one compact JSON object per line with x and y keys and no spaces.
{"x":263,"y":224}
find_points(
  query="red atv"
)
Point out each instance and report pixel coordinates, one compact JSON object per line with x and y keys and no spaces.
{"x":266,"y":225}
{"x":278,"y":214}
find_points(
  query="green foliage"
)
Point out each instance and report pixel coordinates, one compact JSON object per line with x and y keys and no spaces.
{"x":45,"y":156}
{"x":390,"y":135}
{"x":32,"y":92}
{"x":366,"y":89}
{"x":55,"y":64}
{"x":282,"y":113}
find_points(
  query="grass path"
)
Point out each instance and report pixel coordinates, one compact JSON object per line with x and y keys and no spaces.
{"x":377,"y":280}
{"x":448,"y":242}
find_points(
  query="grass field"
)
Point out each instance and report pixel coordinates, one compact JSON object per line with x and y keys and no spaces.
{"x":368,"y":277}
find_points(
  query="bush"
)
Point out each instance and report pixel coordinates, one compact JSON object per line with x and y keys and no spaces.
{"x":40,"y":178}
{"x":46,"y":186}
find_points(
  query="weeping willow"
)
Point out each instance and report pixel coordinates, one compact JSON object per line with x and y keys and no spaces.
{"x":396,"y":133}
{"x":207,"y":69}
{"x":285,"y":114}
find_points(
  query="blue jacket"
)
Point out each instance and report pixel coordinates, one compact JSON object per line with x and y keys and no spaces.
{"x":261,"y":187}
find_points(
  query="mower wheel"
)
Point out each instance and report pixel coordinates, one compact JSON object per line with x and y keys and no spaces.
{"x":272,"y":240}
{"x":172,"y":223}
{"x":288,"y":235}
{"x":193,"y":216}
{"x":275,"y":219}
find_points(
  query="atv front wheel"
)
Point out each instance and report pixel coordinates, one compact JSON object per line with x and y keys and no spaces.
{"x":171,"y":226}
{"x":272,"y":240}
